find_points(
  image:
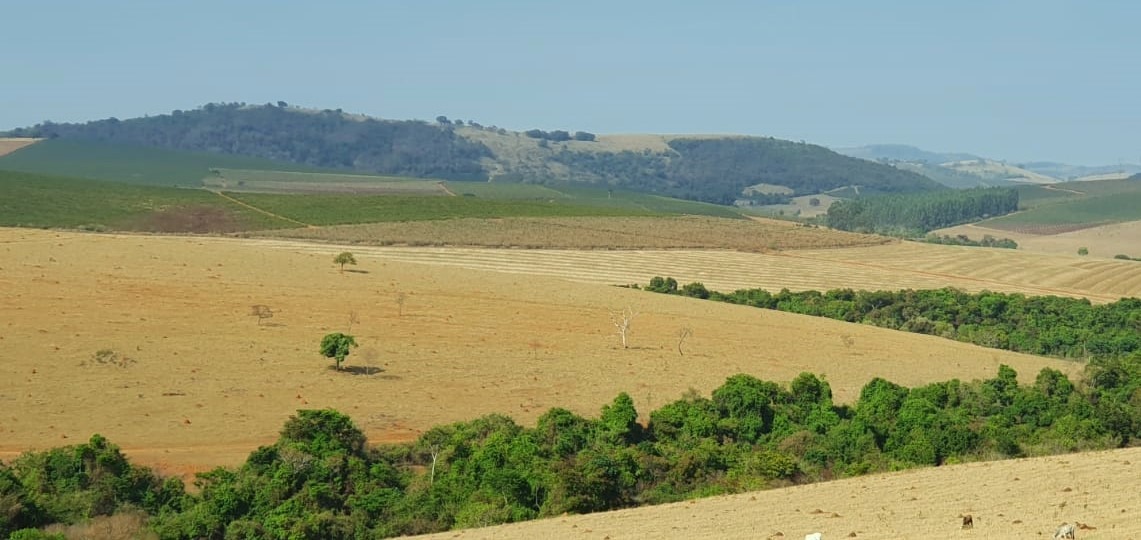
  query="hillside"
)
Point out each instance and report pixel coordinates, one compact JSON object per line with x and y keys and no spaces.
{"x":1024,"y":498}
{"x":512,"y":332}
{"x":707,"y":168}
{"x":960,"y":170}
{"x":129,"y":163}
{"x":903,"y":152}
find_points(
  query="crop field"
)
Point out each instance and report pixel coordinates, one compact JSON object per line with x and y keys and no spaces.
{"x":1100,"y":241}
{"x":346,"y":209}
{"x":11,"y":144}
{"x":32,"y":200}
{"x":1089,"y":211}
{"x":261,"y":181}
{"x":907,"y":265}
{"x":1024,"y":498}
{"x":149,"y":340}
{"x":132,"y":164}
{"x":1039,"y":195}
{"x":590,"y":233}
{"x":504,"y":190}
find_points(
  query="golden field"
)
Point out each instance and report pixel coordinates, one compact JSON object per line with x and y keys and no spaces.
{"x":11,"y":144}
{"x":197,"y":382}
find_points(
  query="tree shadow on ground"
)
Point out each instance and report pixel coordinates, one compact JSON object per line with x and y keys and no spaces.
{"x":356,"y":271}
{"x":361,"y":370}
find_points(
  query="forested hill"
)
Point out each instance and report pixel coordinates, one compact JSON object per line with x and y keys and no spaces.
{"x":325,"y":138}
{"x":712,"y":169}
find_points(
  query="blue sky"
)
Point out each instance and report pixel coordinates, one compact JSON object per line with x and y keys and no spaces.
{"x":1018,"y":80}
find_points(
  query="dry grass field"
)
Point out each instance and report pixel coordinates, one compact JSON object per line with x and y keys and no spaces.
{"x":907,"y":265}
{"x":1102,"y":241}
{"x":11,"y":144}
{"x":149,"y":341}
{"x":1024,"y":498}
{"x":591,"y":233}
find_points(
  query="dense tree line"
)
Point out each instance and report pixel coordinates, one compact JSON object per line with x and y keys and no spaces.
{"x":963,"y":240}
{"x":916,"y":214}
{"x":559,"y":135}
{"x":320,"y":480}
{"x":318,"y":138}
{"x":717,"y":170}
{"x":1043,"y":325}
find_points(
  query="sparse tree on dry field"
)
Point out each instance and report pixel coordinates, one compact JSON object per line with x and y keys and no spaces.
{"x":354,"y":318}
{"x":400,"y":298}
{"x":261,"y":311}
{"x":682,"y":334}
{"x":337,"y":346}
{"x":343,"y":259}
{"x":622,"y":320}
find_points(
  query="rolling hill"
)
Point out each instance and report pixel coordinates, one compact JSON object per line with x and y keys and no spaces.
{"x":706,"y":168}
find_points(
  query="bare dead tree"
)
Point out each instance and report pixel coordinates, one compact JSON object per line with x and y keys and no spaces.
{"x":354,"y":318}
{"x":434,"y":450}
{"x":683,"y":333}
{"x":400,"y":298}
{"x":622,"y":320}
{"x":261,"y":311}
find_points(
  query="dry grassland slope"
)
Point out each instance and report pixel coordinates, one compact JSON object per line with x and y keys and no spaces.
{"x":1025,"y":498}
{"x":9,"y":145}
{"x":198,"y":383}
{"x":1103,"y":241}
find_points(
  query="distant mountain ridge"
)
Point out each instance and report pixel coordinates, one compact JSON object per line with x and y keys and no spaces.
{"x":903,"y":152}
{"x":962,"y":170}
{"x":706,"y":168}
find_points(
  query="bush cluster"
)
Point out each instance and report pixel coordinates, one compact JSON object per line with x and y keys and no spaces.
{"x":320,"y":480}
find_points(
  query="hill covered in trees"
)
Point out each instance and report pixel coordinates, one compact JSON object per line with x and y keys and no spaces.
{"x":706,"y":168}
{"x":328,"y":139}
{"x":915,"y":214}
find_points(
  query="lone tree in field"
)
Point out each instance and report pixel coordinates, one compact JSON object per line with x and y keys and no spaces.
{"x":337,"y":346}
{"x":261,"y":311}
{"x":682,"y":334}
{"x":622,"y":320}
{"x":343,"y":259}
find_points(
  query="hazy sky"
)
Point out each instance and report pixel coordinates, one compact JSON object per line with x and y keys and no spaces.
{"x":1025,"y":80}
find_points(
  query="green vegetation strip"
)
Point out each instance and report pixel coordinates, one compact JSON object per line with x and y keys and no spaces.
{"x":916,"y":214}
{"x":1043,"y":325}
{"x":346,"y":209}
{"x":321,"y":480}
{"x":1125,"y":206}
{"x":127,"y":163}
{"x":32,"y":200}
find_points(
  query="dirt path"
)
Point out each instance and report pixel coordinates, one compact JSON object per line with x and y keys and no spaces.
{"x":1054,"y":188}
{"x":259,"y":210}
{"x":444,"y":187}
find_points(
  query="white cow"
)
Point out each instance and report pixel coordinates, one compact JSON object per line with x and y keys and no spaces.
{"x":814,"y":536}
{"x":1067,"y":531}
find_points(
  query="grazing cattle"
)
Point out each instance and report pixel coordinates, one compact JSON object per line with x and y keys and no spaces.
{"x":1066,"y":531}
{"x":814,"y":536}
{"x":968,"y":522}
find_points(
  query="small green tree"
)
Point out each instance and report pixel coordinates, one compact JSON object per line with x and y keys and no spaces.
{"x":345,"y":258}
{"x":337,"y":346}
{"x":1083,"y":251}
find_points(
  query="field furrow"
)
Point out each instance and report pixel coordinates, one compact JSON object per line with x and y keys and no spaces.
{"x":895,"y":266}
